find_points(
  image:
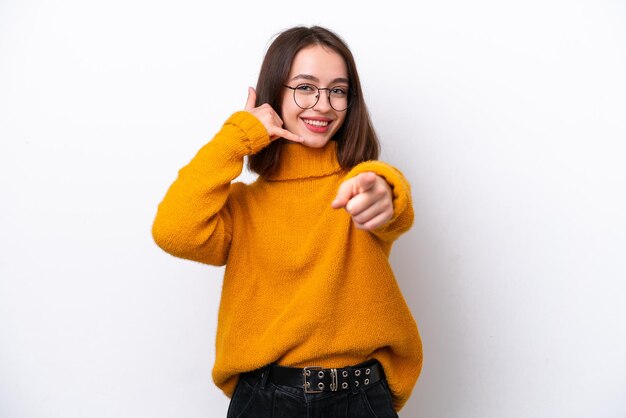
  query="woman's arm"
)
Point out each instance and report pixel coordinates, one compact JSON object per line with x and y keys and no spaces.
{"x":378,"y":197}
{"x":194,"y":219}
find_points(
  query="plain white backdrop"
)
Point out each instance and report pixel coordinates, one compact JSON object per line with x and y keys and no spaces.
{"x":508,"y":118}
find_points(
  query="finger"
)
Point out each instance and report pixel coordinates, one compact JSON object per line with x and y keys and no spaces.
{"x":277,"y":120}
{"x":363,"y":204}
{"x":359,"y":184}
{"x":358,"y":203}
{"x":374,"y":223}
{"x":367,"y":205}
{"x":251,"y":101}
{"x":372,"y":212}
{"x":365,"y":181}
{"x":377,"y":196}
{"x":345,"y":192}
{"x":284,"y":133}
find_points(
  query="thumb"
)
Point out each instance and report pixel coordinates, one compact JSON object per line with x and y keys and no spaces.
{"x":251,"y":101}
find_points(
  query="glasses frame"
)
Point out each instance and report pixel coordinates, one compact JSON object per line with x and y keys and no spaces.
{"x":317,"y":97}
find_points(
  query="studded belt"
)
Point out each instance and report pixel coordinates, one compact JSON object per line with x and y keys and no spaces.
{"x":314,"y":379}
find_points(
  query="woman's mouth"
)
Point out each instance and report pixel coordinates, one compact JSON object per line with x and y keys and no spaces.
{"x":316,"y":125}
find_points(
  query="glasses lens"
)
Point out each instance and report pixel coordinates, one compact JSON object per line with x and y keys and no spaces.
{"x":339,"y":98}
{"x":305,"y":95}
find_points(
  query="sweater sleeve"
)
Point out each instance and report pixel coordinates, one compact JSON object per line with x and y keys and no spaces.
{"x":402,"y":219}
{"x":193,"y":220}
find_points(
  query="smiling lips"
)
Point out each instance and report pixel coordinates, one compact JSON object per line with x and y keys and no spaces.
{"x":317,"y":125}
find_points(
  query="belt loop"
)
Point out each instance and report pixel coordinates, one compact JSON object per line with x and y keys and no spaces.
{"x":265,"y":375}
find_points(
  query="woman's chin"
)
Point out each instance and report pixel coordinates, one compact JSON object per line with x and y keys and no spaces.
{"x":315,"y":142}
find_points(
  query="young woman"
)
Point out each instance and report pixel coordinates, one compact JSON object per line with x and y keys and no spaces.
{"x":311,"y":320}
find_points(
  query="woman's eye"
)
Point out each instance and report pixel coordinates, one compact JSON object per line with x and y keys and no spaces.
{"x":305,"y":87}
{"x":339,"y":91}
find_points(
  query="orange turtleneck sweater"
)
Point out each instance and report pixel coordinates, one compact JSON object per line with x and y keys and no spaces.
{"x":302,"y":285}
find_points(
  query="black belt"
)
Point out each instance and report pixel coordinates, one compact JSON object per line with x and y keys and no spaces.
{"x":314,"y":379}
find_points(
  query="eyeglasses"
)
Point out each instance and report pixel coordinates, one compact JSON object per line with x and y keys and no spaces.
{"x":307,"y":95}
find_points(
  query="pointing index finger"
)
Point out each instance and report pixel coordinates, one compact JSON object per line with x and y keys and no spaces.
{"x":344,"y":194}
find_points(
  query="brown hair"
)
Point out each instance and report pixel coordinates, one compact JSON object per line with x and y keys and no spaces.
{"x":356,"y":139}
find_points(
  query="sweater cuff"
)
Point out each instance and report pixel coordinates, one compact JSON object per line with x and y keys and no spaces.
{"x":400,"y":188}
{"x":253,"y":130}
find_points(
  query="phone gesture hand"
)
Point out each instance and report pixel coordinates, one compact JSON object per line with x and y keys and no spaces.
{"x":270,"y":119}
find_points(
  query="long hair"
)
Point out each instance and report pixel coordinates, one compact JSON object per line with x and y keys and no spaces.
{"x":356,"y":139}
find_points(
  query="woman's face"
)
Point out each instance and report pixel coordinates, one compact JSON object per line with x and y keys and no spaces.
{"x":323,"y":68}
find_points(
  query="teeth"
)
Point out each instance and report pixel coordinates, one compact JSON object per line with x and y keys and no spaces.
{"x":316,"y":122}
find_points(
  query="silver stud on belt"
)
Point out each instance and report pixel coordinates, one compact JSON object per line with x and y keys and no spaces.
{"x":334,"y":381}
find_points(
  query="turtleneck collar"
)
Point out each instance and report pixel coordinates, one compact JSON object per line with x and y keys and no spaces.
{"x":300,"y":162}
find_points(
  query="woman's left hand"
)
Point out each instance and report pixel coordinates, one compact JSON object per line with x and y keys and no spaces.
{"x":367,"y":198}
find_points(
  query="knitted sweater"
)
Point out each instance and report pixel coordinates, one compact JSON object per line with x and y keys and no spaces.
{"x":302,"y":285}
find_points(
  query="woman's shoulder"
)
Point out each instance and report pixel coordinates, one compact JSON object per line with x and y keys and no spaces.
{"x":379,"y":167}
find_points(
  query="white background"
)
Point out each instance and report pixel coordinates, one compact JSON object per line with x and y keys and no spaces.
{"x":508,"y":118}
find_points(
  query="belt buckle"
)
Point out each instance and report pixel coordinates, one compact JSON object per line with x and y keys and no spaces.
{"x":306,"y":372}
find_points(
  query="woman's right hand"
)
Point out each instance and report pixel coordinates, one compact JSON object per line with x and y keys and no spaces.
{"x":270,"y":119}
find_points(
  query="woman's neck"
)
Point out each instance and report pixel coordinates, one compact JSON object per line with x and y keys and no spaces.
{"x":299,"y":162}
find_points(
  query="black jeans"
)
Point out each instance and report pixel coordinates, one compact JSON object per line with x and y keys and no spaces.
{"x":252,"y":400}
